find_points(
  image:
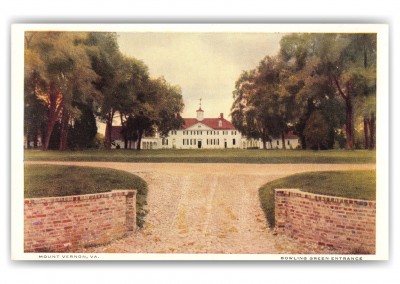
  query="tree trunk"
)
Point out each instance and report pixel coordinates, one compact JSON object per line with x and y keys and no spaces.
{"x":264,"y":143}
{"x":64,"y":130}
{"x":139,"y":141}
{"x":28,"y":141}
{"x":35,"y":139}
{"x":349,"y":113}
{"x":55,"y":107}
{"x":366,"y":136}
{"x":107,"y":138}
{"x":349,"y":123}
{"x":283,"y":141}
{"x":372,"y":132}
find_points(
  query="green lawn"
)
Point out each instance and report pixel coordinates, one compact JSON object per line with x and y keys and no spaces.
{"x":207,"y":156}
{"x":52,"y":181}
{"x":353,"y":184}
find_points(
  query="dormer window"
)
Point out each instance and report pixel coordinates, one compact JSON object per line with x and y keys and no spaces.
{"x":220,"y":123}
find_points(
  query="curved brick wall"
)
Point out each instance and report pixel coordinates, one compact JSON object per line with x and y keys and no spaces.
{"x":61,"y":224}
{"x":326,"y":220}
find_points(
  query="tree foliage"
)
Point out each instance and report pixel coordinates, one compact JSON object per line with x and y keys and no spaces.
{"x":73,"y":77}
{"x":157,"y":107}
{"x":59,"y":74}
{"x":316,"y":131}
{"x":258,"y":110}
{"x":333,"y":75}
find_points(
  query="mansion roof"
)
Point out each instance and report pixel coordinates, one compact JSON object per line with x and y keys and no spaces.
{"x":213,"y":123}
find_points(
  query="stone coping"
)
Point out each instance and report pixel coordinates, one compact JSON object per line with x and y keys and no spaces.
{"x":113,"y":193}
{"x":319,"y":197}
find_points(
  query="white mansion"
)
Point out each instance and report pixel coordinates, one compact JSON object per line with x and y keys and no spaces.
{"x":203,"y":133}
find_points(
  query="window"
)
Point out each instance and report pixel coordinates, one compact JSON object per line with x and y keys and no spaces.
{"x":288,"y":142}
{"x":234,"y":142}
{"x":277,"y":142}
{"x":220,"y":123}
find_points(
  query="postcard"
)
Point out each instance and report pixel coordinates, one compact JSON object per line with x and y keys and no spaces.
{"x":200,"y":142}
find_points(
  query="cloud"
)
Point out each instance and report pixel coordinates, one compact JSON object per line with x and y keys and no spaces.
{"x":205,"y":65}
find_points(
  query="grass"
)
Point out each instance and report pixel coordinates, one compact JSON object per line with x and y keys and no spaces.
{"x":352,"y":184}
{"x":207,"y":156}
{"x":53,"y":181}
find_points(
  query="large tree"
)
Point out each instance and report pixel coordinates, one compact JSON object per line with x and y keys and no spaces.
{"x":107,"y":62}
{"x":34,"y":110}
{"x":258,"y":110}
{"x":122,"y":79}
{"x":157,"y":107}
{"x":305,"y":82}
{"x":84,"y":129}
{"x":61,"y":62}
{"x":343,"y":63}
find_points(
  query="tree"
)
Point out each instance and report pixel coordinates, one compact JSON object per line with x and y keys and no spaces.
{"x":106,"y":60}
{"x":34,"y":110}
{"x":60,"y":60}
{"x":316,"y":131}
{"x":157,"y":108}
{"x":168,"y":106}
{"x":350,"y":63}
{"x":121,"y":79}
{"x":344,"y":63}
{"x":259,"y":111}
{"x":83,"y":131}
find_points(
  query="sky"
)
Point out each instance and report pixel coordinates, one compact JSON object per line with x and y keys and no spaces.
{"x":205,"y":65}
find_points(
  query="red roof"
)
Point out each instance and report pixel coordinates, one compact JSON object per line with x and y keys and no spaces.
{"x":291,"y":135}
{"x":213,"y":123}
{"x":116,"y":133}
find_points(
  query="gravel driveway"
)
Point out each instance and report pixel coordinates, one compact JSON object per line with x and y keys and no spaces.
{"x":209,"y":208}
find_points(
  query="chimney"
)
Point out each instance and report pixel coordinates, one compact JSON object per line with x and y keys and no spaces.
{"x":221,"y":115}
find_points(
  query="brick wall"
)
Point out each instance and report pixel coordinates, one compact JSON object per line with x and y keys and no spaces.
{"x":326,"y":220}
{"x":61,"y":224}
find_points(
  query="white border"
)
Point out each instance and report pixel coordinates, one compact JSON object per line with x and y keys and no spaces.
{"x":17,"y":127}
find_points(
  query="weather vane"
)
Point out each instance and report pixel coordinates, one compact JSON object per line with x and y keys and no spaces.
{"x":200,"y":103}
